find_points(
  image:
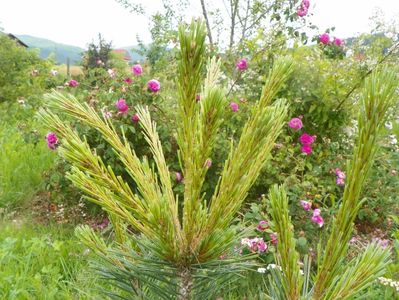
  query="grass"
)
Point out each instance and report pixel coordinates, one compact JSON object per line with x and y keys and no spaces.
{"x":43,"y":263}
{"x":74,"y":70}
{"x":22,"y":166}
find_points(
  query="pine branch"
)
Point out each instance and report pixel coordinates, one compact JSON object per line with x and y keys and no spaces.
{"x":360,"y":273}
{"x":252,"y":152}
{"x":287,"y":256}
{"x":378,"y":96}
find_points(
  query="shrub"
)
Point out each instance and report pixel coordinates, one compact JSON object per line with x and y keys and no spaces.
{"x":22,"y":72}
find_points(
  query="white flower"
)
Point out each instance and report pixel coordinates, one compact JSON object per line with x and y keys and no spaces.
{"x":111,"y":73}
{"x":388,"y":125}
{"x":393,"y":141}
{"x":273,"y":266}
{"x":262,"y":270}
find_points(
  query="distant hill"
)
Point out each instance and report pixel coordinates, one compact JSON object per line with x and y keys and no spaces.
{"x":46,"y":47}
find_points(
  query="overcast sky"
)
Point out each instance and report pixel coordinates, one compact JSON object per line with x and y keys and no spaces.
{"x":77,"y":22}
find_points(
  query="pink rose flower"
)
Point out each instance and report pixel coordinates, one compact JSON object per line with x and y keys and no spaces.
{"x":340,"y":177}
{"x":52,"y":140}
{"x":306,"y":205}
{"x":73,"y":83}
{"x":137,"y":69}
{"x":307,"y":149}
{"x":324,"y":38}
{"x":302,"y":11}
{"x":317,"y":218}
{"x":179,"y":177}
{"x":122,"y":106}
{"x":154,"y":85}
{"x":128,"y":80}
{"x":339,"y":173}
{"x":135,"y":118}
{"x":208,"y":163}
{"x":306,"y":139}
{"x":263,"y":225}
{"x":234,"y":106}
{"x":255,"y":244}
{"x":295,"y":123}
{"x":242,"y":64}
{"x":273,"y":237}
{"x":338,"y":42}
{"x":262,"y":246}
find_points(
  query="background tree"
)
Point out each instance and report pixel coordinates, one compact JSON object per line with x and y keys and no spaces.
{"x":98,"y":55}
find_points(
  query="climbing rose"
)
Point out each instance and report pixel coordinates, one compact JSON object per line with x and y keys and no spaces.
{"x":306,"y":205}
{"x":306,"y":139}
{"x":262,"y":225}
{"x":137,"y":69}
{"x":242,"y":64}
{"x":122,"y":106}
{"x":135,"y":118}
{"x":52,"y":140}
{"x":324,"y":38}
{"x":307,"y":149}
{"x":317,"y":218}
{"x":154,"y":85}
{"x":234,"y":106}
{"x":73,"y":83}
{"x":338,"y":42}
{"x":295,"y":123}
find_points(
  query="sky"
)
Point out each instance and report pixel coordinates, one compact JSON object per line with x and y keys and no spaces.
{"x":78,"y":22}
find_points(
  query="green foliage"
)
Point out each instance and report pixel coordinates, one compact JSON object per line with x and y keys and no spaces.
{"x":22,"y":73}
